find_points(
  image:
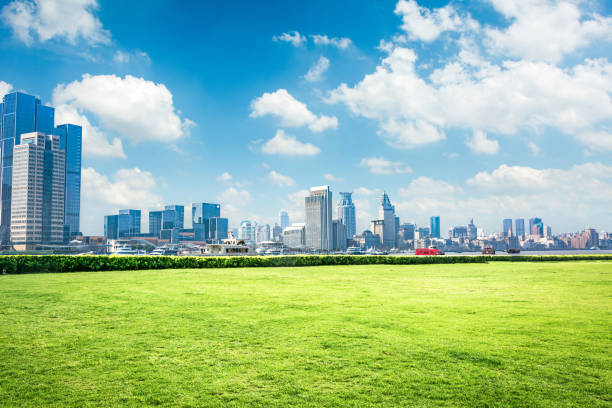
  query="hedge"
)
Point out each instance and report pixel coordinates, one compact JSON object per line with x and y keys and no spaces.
{"x":83,"y":263}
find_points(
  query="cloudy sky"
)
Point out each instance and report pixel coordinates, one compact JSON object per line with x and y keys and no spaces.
{"x":486,"y":109}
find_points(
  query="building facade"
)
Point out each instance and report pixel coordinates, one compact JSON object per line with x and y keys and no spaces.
{"x":38,"y":191}
{"x":283,"y":219}
{"x":386,"y":213}
{"x":338,"y":236}
{"x":294,"y":236}
{"x":507,"y":227}
{"x":155,"y":222}
{"x":346,"y":214}
{"x":179,"y":215}
{"x":129,"y":223}
{"x":434,"y":226}
{"x":519,"y":230}
{"x":319,"y":218}
{"x":71,"y":141}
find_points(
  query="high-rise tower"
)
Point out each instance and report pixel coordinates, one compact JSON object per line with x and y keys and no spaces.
{"x":346,"y":214}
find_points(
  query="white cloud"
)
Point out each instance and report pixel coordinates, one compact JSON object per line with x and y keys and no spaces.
{"x":102,"y":195}
{"x":288,"y":145}
{"x":95,"y":142}
{"x":380,"y":165}
{"x":546,"y":30}
{"x":331,"y":177}
{"x":296,"y":39}
{"x":341,"y":43}
{"x":479,"y":143}
{"x":535,"y":150}
{"x":315,"y":73}
{"x":235,"y":197}
{"x":291,"y":112}
{"x":596,"y":140}
{"x":426,"y":25}
{"x":225,"y":177}
{"x":280,"y":179}
{"x":504,"y":99}
{"x":5,"y":88}
{"x":43,"y":20}
{"x":427,"y":187}
{"x":125,"y":57}
{"x":137,"y":109}
{"x":364,"y":191}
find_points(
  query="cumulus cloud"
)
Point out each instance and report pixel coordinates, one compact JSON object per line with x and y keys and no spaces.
{"x":280,"y":179}
{"x":95,"y":142}
{"x":5,"y":88}
{"x":127,"y":188}
{"x":479,"y":143}
{"x":426,"y":25}
{"x":502,"y":99}
{"x":125,"y":57}
{"x":136,"y":109}
{"x":380,"y":165}
{"x":234,"y":197}
{"x":568,"y":199}
{"x":315,"y":73}
{"x":290,"y":111}
{"x":535,"y":150}
{"x":225,"y":177}
{"x":288,"y":145}
{"x":293,"y":37}
{"x":367,"y":191}
{"x":340,"y":43}
{"x":545,"y":30}
{"x":43,"y":20}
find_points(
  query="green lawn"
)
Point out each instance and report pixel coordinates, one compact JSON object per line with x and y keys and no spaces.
{"x":499,"y":334}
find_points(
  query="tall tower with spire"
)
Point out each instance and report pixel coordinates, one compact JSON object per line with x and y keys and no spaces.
{"x":386,"y":213}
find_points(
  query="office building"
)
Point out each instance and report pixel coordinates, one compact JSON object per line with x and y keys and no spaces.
{"x":19,"y":113}
{"x":129,"y":223}
{"x":201,"y":214}
{"x":338,"y":236}
{"x":294,"y":236}
{"x":507,"y":227}
{"x":346,"y":214}
{"x":536,"y":227}
{"x":155,"y":222}
{"x":386,"y":214}
{"x":377,"y":228}
{"x":283,"y":219}
{"x":38,"y":191}
{"x":472,"y":231}
{"x":319,"y":218}
{"x":262,"y":233}
{"x":218,"y":229}
{"x":71,"y":142}
{"x":460,"y":232}
{"x":247,"y":231}
{"x":179,"y":215}
{"x":111,"y":226}
{"x":406,"y":232}
{"x":202,"y":211}
{"x":519,"y":224}
{"x":434,"y":226}
{"x":277,"y":233}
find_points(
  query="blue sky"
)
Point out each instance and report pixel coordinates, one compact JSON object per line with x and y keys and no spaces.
{"x":485,"y":109}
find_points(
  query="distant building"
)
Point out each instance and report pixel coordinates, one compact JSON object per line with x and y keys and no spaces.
{"x":346,"y":214}
{"x":277,"y":233}
{"x":155,"y":222}
{"x":203,"y":211}
{"x":377,"y":228}
{"x":262,"y":233}
{"x":247,"y":231}
{"x":218,"y":229}
{"x":319,"y":218}
{"x":536,"y":227}
{"x":386,"y":212}
{"x":111,"y":226}
{"x":434,"y":226}
{"x":472,"y":231}
{"x":406,"y":231}
{"x":129,"y":222}
{"x":179,"y":215}
{"x":507,"y":227}
{"x":422,"y":233}
{"x":338,"y":236}
{"x":201,"y":215}
{"x":283,"y":219}
{"x":460,"y":232}
{"x":368,"y":240}
{"x":38,"y":191}
{"x":294,"y":236}
{"x":520,"y":228}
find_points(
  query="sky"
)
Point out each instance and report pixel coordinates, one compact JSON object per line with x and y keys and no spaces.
{"x":484,"y":109}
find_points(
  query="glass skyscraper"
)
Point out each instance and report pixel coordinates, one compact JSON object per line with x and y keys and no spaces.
{"x":203,"y":211}
{"x":434,"y":226}
{"x":71,"y":141}
{"x":111,"y":226}
{"x":319,"y":218}
{"x":155,"y":222}
{"x":507,"y":225}
{"x":179,"y":215}
{"x":520,"y":227}
{"x":283,"y":218}
{"x":346,"y":214}
{"x":129,"y":223}
{"x":20,"y":113}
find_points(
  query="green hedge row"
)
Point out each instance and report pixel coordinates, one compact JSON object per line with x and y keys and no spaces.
{"x":83,"y":263}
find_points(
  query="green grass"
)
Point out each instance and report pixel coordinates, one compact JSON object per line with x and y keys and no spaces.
{"x":500,"y":334}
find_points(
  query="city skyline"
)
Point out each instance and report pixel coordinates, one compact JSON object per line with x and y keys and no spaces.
{"x":157,"y":115}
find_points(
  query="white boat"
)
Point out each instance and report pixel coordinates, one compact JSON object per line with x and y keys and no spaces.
{"x":126,"y":250}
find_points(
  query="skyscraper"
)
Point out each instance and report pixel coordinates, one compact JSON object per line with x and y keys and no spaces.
{"x":386,"y":213}
{"x":207,"y":222}
{"x":472,"y":231}
{"x":38,"y":191}
{"x":217,"y":229}
{"x":155,"y":222}
{"x":520,"y":228}
{"x":246,"y":231}
{"x":507,"y":227}
{"x":536,"y":227}
{"x":346,"y":214}
{"x":71,"y":141}
{"x":111,"y":226}
{"x":319,"y":218}
{"x":283,"y":219}
{"x":434,"y":226}
{"x":20,"y":113}
{"x":338,"y":235}
{"x":202,"y":211}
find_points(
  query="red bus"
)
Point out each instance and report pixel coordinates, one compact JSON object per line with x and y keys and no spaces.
{"x":429,"y":251}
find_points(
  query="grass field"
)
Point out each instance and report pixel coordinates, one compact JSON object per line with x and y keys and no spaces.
{"x":500,"y":334}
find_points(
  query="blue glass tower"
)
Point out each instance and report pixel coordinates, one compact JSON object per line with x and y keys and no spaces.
{"x":179,"y":216}
{"x":20,"y":113}
{"x":111,"y":226}
{"x":129,"y":223}
{"x":155,"y":222}
{"x":71,"y":141}
{"x":346,"y":214}
{"x":434,"y":226}
{"x":203,"y":211}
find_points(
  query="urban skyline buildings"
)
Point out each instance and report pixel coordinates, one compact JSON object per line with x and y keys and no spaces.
{"x":283,"y":219}
{"x":434,"y":226}
{"x":346,"y":214}
{"x":71,"y":141}
{"x":318,"y":207}
{"x":507,"y":227}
